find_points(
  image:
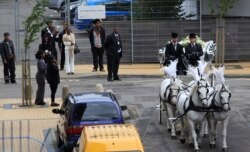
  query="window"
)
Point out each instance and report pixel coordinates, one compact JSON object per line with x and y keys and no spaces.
{"x":94,"y":112}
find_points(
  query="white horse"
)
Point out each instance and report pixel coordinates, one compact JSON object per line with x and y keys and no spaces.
{"x":169,"y":89}
{"x":192,"y":103}
{"x":221,"y":106}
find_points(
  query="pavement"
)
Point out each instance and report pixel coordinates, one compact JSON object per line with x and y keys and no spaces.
{"x":232,"y":70}
{"x":139,"y":94}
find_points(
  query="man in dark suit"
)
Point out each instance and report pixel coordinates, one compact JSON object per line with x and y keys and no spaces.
{"x":175,"y":51}
{"x":61,"y":45}
{"x":97,"y":38}
{"x":193,"y":51}
{"x":8,"y":58}
{"x":113,"y":45}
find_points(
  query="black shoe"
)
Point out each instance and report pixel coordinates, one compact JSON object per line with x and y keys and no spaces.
{"x":94,"y":70}
{"x":7,"y":82}
{"x":109,"y":79}
{"x":53,"y":104}
{"x":13,"y":82}
{"x":72,"y":73}
{"x":117,"y":79}
{"x":41,"y":104}
{"x":69,"y":73}
{"x":102,"y":70}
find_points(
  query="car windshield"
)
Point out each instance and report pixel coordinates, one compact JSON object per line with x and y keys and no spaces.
{"x":95,"y":112}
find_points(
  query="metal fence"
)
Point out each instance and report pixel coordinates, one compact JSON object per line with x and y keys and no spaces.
{"x":145,"y":26}
{"x":26,"y":136}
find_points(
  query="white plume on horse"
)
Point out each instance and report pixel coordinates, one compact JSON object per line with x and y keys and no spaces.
{"x":171,"y":69}
{"x":219,"y":75}
{"x":202,"y":66}
{"x":193,"y":71}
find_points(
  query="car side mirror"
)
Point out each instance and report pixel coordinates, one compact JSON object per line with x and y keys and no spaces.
{"x":58,"y":111}
{"x":124,"y":108}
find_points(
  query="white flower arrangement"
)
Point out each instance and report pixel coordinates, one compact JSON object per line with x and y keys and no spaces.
{"x":185,"y":41}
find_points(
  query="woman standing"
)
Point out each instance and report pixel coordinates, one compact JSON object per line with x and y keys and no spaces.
{"x":40,"y":78}
{"x":53,"y":78}
{"x":69,"y":42}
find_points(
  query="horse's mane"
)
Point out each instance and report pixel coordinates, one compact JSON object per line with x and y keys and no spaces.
{"x":219,"y":75}
{"x":179,"y":83}
{"x":171,"y":69}
{"x":193,"y":71}
{"x":194,"y":88}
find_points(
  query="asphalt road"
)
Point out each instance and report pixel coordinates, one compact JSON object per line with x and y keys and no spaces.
{"x":141,"y":97}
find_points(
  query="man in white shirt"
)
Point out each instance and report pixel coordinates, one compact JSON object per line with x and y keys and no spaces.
{"x":97,"y":38}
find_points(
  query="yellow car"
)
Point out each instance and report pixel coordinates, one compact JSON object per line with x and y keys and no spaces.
{"x":109,"y":138}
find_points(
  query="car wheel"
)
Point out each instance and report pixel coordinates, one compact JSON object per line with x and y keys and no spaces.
{"x":59,"y":140}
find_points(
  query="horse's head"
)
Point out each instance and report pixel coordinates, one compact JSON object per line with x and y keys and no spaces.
{"x":174,"y":91}
{"x":202,"y":90}
{"x":225,"y":97}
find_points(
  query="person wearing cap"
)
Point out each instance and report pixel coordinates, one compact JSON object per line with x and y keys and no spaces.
{"x":193,"y":51}
{"x":8,"y":57}
{"x":113,"y":46}
{"x":97,"y":39}
{"x":175,"y":51}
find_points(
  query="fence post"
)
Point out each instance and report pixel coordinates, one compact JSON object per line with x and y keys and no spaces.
{"x":132,"y":32}
{"x":11,"y":138}
{"x":3,"y":144}
{"x":28,"y":142}
{"x":20,"y":135}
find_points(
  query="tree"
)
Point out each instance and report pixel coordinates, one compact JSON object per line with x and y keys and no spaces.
{"x":219,"y":8}
{"x":158,"y":10}
{"x":32,"y":25}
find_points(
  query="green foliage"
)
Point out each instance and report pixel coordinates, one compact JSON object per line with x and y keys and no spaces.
{"x":34,"y":22}
{"x":158,"y":9}
{"x":221,"y":7}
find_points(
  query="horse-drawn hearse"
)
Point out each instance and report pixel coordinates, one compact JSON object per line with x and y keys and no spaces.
{"x":197,"y":103}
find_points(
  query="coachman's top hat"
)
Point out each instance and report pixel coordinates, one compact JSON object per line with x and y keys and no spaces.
{"x":174,"y":35}
{"x":192,"y":35}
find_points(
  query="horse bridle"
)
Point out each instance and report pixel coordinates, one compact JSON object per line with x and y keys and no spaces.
{"x":224,"y":90}
{"x":170,"y":96}
{"x":205,"y":98}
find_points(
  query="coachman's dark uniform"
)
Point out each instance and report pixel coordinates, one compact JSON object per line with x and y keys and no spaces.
{"x":113,"y":46}
{"x":8,"y":58}
{"x":175,"y":51}
{"x":193,"y":52}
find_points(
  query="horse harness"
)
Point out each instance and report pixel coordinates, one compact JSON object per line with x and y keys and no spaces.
{"x":169,"y":95}
{"x":212,"y":108}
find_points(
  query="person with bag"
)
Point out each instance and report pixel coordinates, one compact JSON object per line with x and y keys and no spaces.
{"x":113,"y":45}
{"x":53,"y":78}
{"x":40,"y":77}
{"x":69,"y":42}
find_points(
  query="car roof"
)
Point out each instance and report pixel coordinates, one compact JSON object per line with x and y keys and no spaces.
{"x":115,"y":137}
{"x":94,"y":97}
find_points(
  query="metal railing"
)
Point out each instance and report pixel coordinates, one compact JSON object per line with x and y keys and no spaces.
{"x":16,"y":137}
